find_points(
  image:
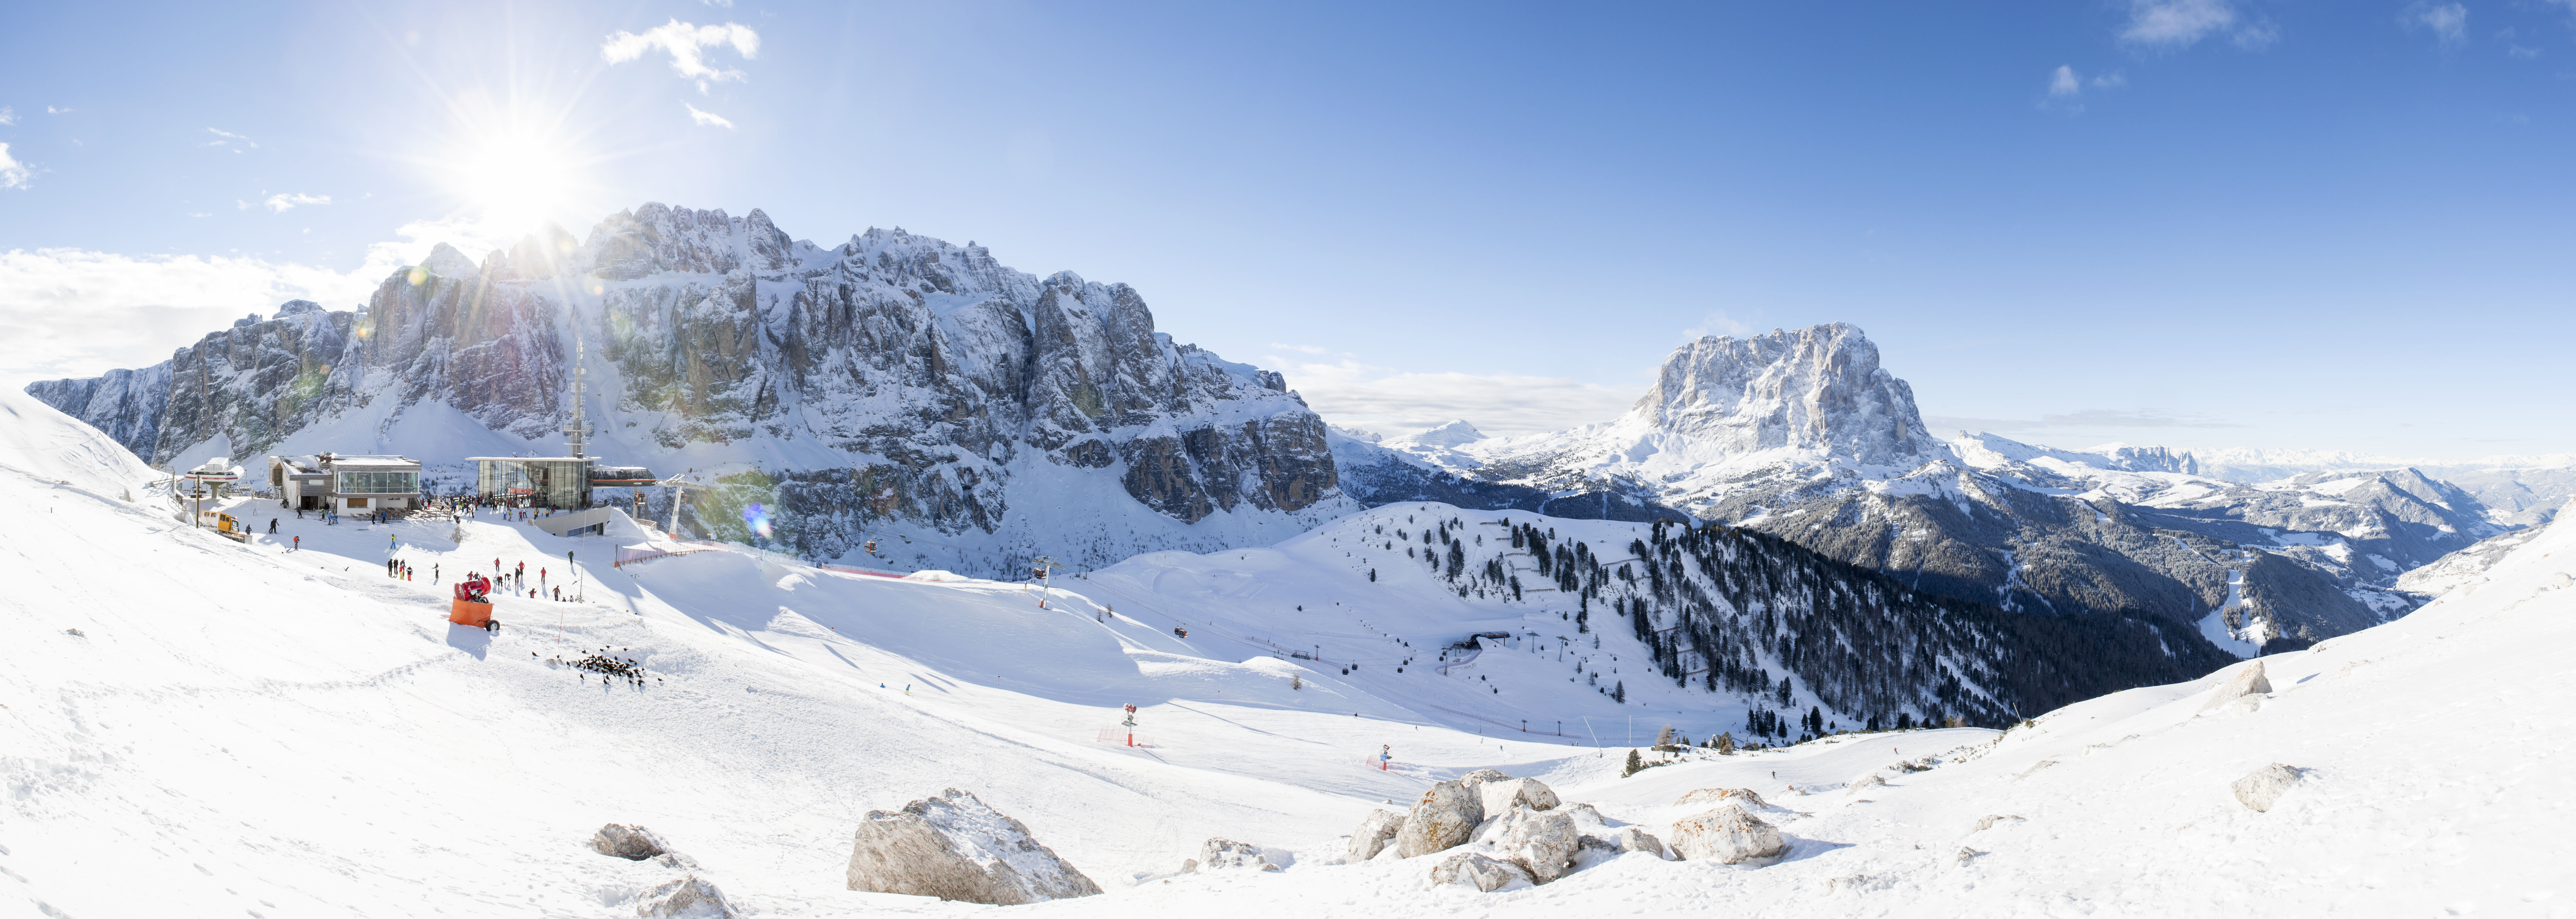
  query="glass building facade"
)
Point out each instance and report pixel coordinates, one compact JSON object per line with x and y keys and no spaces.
{"x":544,"y":481}
{"x":375,"y":482}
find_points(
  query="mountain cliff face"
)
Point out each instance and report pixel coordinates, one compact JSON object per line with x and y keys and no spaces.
{"x":1802,"y":434}
{"x":895,"y":387}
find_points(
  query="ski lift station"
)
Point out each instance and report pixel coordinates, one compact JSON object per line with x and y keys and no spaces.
{"x":360,"y":484}
{"x":552,"y":481}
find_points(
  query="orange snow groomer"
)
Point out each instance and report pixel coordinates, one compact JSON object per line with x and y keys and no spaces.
{"x":472,"y":606}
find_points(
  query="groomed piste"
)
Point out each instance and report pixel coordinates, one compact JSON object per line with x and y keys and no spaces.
{"x":192,"y":726}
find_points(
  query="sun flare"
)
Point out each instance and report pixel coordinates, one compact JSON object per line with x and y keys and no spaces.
{"x":515,"y":182}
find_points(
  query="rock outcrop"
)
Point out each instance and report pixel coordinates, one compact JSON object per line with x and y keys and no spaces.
{"x":954,"y":847}
{"x":1543,"y":844}
{"x":1502,"y":796}
{"x":1446,"y":816}
{"x":686,"y":897}
{"x":1728,"y":835}
{"x":1227,"y":855}
{"x":2248,"y":680}
{"x":1375,"y":831}
{"x":2262,"y":788}
{"x":1488,"y":874}
{"x":1721,"y":796}
{"x":633,"y":843}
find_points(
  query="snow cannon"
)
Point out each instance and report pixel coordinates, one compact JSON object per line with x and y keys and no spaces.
{"x":472,"y":605}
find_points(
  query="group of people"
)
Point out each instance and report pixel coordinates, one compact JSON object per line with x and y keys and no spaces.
{"x":477,"y":588}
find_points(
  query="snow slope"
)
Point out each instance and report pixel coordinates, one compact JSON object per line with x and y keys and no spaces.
{"x":242,"y":729}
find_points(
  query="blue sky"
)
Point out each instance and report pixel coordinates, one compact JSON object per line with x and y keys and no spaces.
{"x":2204,"y":223}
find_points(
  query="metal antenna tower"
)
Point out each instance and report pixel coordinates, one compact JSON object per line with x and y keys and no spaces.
{"x":578,"y":429}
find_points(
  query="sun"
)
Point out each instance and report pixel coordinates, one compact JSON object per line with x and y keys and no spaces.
{"x":515,"y":182}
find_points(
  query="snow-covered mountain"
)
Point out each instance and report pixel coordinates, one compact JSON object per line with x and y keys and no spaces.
{"x":1801,"y":433}
{"x":894,"y":387}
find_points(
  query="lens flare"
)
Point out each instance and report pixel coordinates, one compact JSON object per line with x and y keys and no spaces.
{"x":757,"y":517}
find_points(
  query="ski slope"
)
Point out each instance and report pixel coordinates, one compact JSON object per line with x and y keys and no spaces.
{"x":246,"y":730}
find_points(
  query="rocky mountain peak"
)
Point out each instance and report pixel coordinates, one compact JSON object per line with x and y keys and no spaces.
{"x":1818,"y":388}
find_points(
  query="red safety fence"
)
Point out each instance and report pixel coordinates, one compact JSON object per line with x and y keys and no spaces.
{"x":626,"y":556}
{"x":1122,"y":737}
{"x":873,"y":574}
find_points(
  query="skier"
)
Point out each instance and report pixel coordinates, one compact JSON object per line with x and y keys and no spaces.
{"x":433,"y":573}
{"x":272,"y":526}
{"x":1385,"y":755}
{"x":299,"y":542}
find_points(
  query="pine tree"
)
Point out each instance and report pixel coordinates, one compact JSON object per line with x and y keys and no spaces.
{"x":1725,"y":743}
{"x":1636,"y":764}
{"x":1619,"y":692}
{"x":1372,"y":575}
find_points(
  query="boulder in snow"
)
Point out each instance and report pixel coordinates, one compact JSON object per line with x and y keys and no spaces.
{"x":1482,"y":776}
{"x":1375,"y":831}
{"x":1499,"y":797}
{"x":1226,"y":854}
{"x":688,"y":897}
{"x":2263,"y":787}
{"x":1869,"y":781}
{"x":1728,"y":835}
{"x":1721,"y":796}
{"x":2248,"y":681}
{"x":1487,"y":874}
{"x":633,"y":843}
{"x":1542,"y":843}
{"x":1632,"y":839}
{"x":954,"y":847}
{"x":1445,"y":817}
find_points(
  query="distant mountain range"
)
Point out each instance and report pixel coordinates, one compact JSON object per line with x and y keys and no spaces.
{"x":905,"y":391}
{"x":1802,"y":434}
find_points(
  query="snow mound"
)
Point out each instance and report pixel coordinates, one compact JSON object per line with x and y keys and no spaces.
{"x":46,"y":444}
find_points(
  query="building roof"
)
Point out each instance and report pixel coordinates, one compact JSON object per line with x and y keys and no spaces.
{"x":532,"y":459}
{"x":376,"y":462}
{"x":600,"y":475}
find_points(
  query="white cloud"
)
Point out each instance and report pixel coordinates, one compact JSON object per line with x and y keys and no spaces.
{"x":2109,"y":81}
{"x":2449,"y":22}
{"x":2086,"y":419}
{"x":50,"y":110}
{"x":2183,"y":23}
{"x":13,"y":174}
{"x":286,"y":202}
{"x":1355,"y":395}
{"x":73,"y":312}
{"x":686,"y":44}
{"x":2064,"y":84}
{"x":1718,"y":323}
{"x":703,"y":119}
{"x":228,"y":139}
{"x":1302,"y":349}
{"x":8,"y":115}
